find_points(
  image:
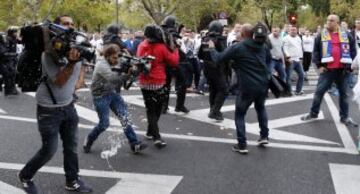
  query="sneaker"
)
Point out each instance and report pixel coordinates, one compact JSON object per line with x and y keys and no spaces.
{"x":182,"y":109}
{"x":86,"y":146}
{"x":28,"y":185}
{"x":216,"y":116}
{"x":263,"y":141}
{"x":348,"y":122}
{"x":309,"y":117}
{"x":148,"y":137}
{"x":137,"y":148}
{"x":159,"y":143}
{"x":299,"y":93}
{"x":78,"y":186}
{"x":240,"y":148}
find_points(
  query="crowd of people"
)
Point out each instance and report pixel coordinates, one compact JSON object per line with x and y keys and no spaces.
{"x":222,"y":62}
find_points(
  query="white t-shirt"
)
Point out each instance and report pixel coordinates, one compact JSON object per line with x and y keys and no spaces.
{"x":357,"y":40}
{"x":308,"y":43}
{"x":293,"y":47}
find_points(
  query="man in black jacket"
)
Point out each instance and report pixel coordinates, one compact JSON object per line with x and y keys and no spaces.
{"x":333,"y":67}
{"x":250,"y":57}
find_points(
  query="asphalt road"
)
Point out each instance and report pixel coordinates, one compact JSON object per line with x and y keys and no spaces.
{"x":302,"y":158}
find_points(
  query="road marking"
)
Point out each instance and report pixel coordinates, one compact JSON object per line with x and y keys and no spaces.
{"x":273,"y":102}
{"x":129,"y":182}
{"x":2,"y":111}
{"x":201,"y":115}
{"x":346,"y":178}
{"x":9,"y":189}
{"x":341,"y":128}
{"x":211,"y":139}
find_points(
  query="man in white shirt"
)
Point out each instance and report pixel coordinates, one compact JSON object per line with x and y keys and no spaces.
{"x":308,"y":46}
{"x":277,"y":55}
{"x":293,"y":54}
{"x":233,"y":34}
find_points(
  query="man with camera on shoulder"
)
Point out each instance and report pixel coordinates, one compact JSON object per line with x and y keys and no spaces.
{"x":56,"y":114}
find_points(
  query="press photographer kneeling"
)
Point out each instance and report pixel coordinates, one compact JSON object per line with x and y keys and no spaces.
{"x":103,"y":89}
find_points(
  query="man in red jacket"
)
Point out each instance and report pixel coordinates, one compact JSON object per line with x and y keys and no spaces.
{"x":152,"y":84}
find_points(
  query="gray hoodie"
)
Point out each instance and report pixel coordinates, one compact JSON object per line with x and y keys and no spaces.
{"x":104,"y":80}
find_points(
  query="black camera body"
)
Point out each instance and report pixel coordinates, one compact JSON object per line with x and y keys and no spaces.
{"x":213,"y":36}
{"x":137,"y":64}
{"x":63,"y":39}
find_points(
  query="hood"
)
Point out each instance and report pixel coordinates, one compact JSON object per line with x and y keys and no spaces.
{"x":254,"y":45}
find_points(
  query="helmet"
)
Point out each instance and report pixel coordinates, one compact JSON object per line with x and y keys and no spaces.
{"x":216,"y":27}
{"x":169,"y":21}
{"x":113,"y":29}
{"x":260,"y":32}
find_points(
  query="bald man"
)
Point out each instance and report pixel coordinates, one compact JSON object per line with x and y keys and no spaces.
{"x":334,"y":50}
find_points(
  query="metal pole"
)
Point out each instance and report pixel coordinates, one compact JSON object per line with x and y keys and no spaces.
{"x":117,"y":12}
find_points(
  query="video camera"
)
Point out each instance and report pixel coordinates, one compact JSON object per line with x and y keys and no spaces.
{"x":57,"y":40}
{"x":63,"y":39}
{"x":137,"y":64}
{"x":213,"y":36}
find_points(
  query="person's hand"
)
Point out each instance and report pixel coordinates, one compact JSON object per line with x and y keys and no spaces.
{"x":74,"y":55}
{"x":322,"y":69}
{"x":211,"y":44}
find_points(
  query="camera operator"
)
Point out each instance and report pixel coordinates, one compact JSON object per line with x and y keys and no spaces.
{"x":215,"y":71}
{"x":250,"y":57}
{"x":152,"y":84}
{"x":56,"y":115}
{"x":105,"y":97}
{"x":8,"y":61}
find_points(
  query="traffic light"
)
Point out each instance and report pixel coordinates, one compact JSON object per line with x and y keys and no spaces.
{"x":292,"y":18}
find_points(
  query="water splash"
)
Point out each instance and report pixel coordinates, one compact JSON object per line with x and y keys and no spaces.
{"x":116,"y":141}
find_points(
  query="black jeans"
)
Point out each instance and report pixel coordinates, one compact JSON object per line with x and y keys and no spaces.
{"x":154,"y":100}
{"x":243,"y":102}
{"x":218,"y":91}
{"x":180,"y":85}
{"x":51,"y":123}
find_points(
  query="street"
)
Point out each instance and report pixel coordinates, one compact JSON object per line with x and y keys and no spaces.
{"x":303,"y":157}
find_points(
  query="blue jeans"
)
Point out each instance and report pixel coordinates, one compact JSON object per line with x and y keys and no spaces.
{"x":117,"y":105}
{"x":279,"y":68}
{"x":243,"y":102}
{"x":300,"y":72}
{"x":339,"y":77}
{"x":51,"y":123}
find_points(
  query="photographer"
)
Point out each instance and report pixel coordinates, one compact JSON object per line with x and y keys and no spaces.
{"x":105,"y":97}
{"x":215,"y":72}
{"x":56,"y":115}
{"x":250,"y":57}
{"x":152,"y":84}
{"x":8,"y":60}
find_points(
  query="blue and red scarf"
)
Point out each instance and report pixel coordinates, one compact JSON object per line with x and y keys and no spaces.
{"x":327,"y":47}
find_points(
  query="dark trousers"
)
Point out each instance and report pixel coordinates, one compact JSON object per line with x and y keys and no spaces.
{"x":8,"y":70}
{"x":195,"y":74}
{"x":154,"y":100}
{"x":218,"y":91}
{"x":326,"y":79}
{"x":52,"y":122}
{"x":180,"y":74}
{"x":307,"y":61}
{"x":243,"y":102}
{"x":117,"y":105}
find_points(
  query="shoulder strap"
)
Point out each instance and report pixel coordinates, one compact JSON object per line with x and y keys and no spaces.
{"x":44,"y":79}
